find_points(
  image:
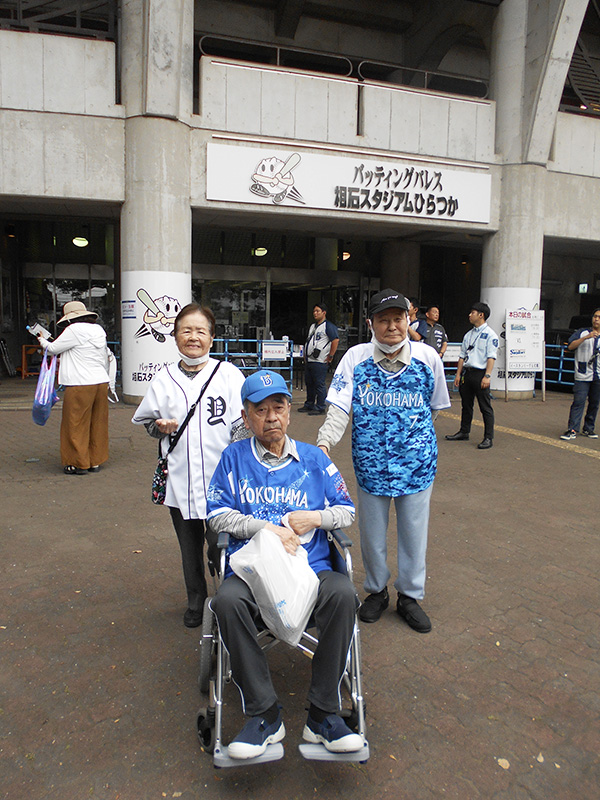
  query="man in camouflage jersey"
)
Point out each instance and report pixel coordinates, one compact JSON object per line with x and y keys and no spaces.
{"x":394,"y":388}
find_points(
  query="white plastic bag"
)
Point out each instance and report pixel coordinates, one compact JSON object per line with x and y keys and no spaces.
{"x":284,"y":586}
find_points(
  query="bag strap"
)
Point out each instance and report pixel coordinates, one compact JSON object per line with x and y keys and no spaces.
{"x":190,"y":413}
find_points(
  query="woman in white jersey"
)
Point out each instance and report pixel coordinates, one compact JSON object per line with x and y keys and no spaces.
{"x":216,"y":422}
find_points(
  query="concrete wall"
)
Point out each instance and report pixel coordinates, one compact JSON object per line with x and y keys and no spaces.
{"x":265,"y":101}
{"x":61,"y":133}
{"x":63,"y":74}
{"x":576,"y":146}
{"x":61,"y":156}
{"x":571,"y":207}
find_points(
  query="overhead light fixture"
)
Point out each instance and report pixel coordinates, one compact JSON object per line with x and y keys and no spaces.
{"x":260,"y":251}
{"x":345,"y":255}
{"x":10,"y":231}
{"x":80,"y":241}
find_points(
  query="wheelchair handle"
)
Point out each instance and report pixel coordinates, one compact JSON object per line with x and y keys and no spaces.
{"x":340,"y":537}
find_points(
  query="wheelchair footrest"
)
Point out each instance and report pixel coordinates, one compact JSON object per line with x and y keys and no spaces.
{"x":273,"y":753}
{"x":318,"y":752}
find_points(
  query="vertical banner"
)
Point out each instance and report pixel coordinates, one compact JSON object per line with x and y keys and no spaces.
{"x":525,"y":345}
{"x":150,"y":302}
{"x":499,"y":300}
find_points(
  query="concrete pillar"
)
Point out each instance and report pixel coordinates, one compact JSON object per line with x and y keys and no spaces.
{"x":507,"y":75}
{"x":156,"y":224}
{"x":512,"y":261}
{"x":400,"y":262}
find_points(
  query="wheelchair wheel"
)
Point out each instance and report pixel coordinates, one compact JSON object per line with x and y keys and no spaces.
{"x":206,"y":648}
{"x":205,"y":725}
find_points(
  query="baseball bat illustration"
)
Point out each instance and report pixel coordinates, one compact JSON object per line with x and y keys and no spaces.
{"x":148,"y":301}
{"x":289,"y":165}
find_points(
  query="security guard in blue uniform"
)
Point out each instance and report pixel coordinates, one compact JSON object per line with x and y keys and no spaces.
{"x":477,"y":355}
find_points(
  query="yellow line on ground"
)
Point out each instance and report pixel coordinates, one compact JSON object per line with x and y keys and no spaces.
{"x":573,"y":448}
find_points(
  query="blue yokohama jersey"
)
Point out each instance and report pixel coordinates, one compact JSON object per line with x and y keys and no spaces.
{"x":394,"y":447}
{"x":243,"y":483}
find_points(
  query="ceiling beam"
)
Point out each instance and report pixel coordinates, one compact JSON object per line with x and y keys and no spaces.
{"x":287,"y":17}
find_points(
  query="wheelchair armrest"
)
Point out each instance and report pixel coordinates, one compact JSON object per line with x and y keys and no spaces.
{"x":341,"y":538}
{"x":223,"y":540}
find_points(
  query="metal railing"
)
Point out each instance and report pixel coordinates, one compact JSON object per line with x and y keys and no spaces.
{"x":336,"y":64}
{"x":90,"y":18}
{"x":560,"y":367}
{"x":248,"y":355}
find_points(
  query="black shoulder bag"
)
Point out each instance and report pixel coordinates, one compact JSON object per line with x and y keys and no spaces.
{"x":159,"y":481}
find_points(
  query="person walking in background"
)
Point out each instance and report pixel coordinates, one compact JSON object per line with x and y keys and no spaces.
{"x":586,"y":344}
{"x":216,"y":422}
{"x":319,"y":350}
{"x":84,"y":372}
{"x":417,"y":327}
{"x":394,"y":388}
{"x":476,"y":361}
{"x":436,"y":334}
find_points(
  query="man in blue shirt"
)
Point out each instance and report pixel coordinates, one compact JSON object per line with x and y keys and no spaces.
{"x":477,"y":355}
{"x":393,"y":387}
{"x":293,"y":489}
{"x":586,"y":344}
{"x":319,"y":350}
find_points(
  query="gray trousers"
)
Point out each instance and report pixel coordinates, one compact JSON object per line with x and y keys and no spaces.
{"x":412,"y":522}
{"x":334,"y":616}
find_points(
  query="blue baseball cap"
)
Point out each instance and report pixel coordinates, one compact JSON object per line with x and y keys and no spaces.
{"x":263,"y":384}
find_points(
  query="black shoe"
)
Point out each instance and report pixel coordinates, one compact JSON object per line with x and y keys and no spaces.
{"x":71,"y":470}
{"x":304,"y":409}
{"x":485,"y":445}
{"x":374,"y":605}
{"x":458,"y":437}
{"x":193,"y":617}
{"x":315,"y":411}
{"x":412,"y":613}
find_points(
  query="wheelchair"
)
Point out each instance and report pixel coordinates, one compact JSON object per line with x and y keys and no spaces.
{"x":215,"y":672}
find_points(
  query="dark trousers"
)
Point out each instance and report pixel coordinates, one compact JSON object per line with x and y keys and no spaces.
{"x":315,"y":374}
{"x":582,"y":391}
{"x":190,"y":533}
{"x":470,"y":388}
{"x":334,"y":616}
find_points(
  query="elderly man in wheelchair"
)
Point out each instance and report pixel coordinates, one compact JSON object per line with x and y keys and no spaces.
{"x":311,"y":500}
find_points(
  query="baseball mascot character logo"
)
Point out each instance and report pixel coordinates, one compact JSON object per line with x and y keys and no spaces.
{"x":159,"y":316}
{"x":273,"y":179}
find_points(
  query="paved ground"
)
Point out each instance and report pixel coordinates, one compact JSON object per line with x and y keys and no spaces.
{"x":500,"y":701}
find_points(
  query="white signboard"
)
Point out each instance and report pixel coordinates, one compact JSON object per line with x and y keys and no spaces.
{"x":359,"y":184}
{"x":525,"y":340}
{"x":151,"y":301}
{"x":452,"y":354}
{"x":274,"y":351}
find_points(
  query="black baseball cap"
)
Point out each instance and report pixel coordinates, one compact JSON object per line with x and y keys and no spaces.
{"x":388,"y":298}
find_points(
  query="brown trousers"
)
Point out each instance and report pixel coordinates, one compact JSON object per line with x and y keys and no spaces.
{"x":84,"y":426}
